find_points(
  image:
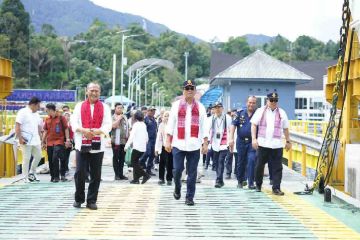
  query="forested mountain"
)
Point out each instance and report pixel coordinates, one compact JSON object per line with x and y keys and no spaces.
{"x":71,"y":17}
{"x":48,"y":60}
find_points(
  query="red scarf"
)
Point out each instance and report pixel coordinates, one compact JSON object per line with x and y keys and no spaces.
{"x":91,"y":122}
{"x":194,"y":130}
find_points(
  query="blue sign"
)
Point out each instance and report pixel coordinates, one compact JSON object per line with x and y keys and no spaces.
{"x":24,"y":95}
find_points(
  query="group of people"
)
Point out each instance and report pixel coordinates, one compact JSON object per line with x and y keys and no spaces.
{"x":178,"y":137}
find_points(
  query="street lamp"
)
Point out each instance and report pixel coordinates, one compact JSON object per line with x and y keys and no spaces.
{"x":152,"y":93}
{"x":186,"y":55}
{"x":124,"y":37}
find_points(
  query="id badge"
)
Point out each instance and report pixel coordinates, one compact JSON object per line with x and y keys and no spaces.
{"x":217,"y":135}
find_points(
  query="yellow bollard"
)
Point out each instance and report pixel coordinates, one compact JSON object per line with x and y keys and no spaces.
{"x":303,"y":160}
{"x":10,"y":166}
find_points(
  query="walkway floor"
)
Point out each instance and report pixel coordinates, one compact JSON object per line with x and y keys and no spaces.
{"x":44,"y":211}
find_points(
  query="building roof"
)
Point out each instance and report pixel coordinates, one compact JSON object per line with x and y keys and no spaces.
{"x":221,"y":61}
{"x":261,"y":66}
{"x":315,"y":69}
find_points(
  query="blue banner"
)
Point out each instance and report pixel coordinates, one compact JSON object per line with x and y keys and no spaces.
{"x":25,"y":95}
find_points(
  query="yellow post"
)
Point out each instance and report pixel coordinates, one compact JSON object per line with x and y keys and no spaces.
{"x":303,"y":160}
{"x":10,"y":161}
{"x":2,"y":159}
{"x":315,"y":129}
{"x":290,"y":159}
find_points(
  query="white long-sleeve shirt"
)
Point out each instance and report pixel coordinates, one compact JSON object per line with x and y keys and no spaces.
{"x":218,"y":127}
{"x":75,"y":122}
{"x":160,"y":138}
{"x":188,"y":143}
{"x":138,"y":137}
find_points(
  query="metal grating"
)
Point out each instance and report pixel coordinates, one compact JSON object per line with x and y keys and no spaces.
{"x":44,"y":211}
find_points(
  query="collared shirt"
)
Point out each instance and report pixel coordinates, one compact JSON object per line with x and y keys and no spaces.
{"x":30,"y":123}
{"x":188,"y":143}
{"x":243,"y":124}
{"x":269,"y":141}
{"x":55,"y":129}
{"x":75,"y":122}
{"x":151,"y":127}
{"x":217,"y":125}
{"x":138,"y":137}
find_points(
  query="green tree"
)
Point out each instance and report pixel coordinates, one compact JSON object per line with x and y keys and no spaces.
{"x":14,"y":24}
{"x":237,"y":46}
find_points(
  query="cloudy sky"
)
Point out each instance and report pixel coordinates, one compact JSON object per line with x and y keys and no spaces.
{"x":207,"y":19}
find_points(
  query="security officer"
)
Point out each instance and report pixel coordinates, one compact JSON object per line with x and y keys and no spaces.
{"x":147,"y":160}
{"x":246,"y":153}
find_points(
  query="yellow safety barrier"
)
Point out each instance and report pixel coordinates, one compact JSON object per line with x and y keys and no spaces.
{"x":7,"y":160}
{"x":314,"y":128}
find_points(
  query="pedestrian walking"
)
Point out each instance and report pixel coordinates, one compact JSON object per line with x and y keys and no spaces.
{"x":91,"y":121}
{"x":268,"y":123}
{"x":186,"y":131}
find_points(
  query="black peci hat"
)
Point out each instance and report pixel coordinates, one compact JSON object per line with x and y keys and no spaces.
{"x":273,"y":95}
{"x":189,"y":83}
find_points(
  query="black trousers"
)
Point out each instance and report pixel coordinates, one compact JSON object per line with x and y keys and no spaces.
{"x":94,"y":162}
{"x":166,"y":160}
{"x":56,"y":158}
{"x":118,"y":159}
{"x":274,"y":156}
{"x":138,"y":171}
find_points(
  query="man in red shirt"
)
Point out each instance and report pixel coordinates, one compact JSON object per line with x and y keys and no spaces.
{"x":56,"y":131}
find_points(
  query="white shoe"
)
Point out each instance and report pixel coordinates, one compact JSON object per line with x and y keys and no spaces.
{"x":33,"y":178}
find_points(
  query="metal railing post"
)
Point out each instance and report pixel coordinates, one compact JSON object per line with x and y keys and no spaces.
{"x":303,"y":160}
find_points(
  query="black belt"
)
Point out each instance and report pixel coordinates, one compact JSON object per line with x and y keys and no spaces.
{"x":245,"y":139}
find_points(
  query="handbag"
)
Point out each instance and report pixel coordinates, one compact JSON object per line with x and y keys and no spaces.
{"x":128,"y":157}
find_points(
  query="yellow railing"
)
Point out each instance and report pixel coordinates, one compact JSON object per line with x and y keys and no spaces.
{"x":301,"y":153}
{"x":313,"y":128}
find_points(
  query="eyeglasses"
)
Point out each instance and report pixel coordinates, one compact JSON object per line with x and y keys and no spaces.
{"x":273,"y":100}
{"x":189,"y":88}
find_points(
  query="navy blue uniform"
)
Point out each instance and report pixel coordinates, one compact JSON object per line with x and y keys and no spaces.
{"x":246,"y":153}
{"x":147,"y":160}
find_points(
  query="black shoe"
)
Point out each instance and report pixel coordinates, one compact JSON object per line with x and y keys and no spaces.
{"x":56,"y":180}
{"x":239,"y":185}
{"x":134,"y":182}
{"x":169,"y":183}
{"x":177,"y":194}
{"x":123,"y":178}
{"x":145,"y":178}
{"x":219,"y":184}
{"x":77,"y":204}
{"x":244,"y":183}
{"x":252,"y":187}
{"x":63,"y":179}
{"x":161,"y":182}
{"x":189,"y":202}
{"x":52,"y":180}
{"x":117,"y":178}
{"x":271,"y":182}
{"x":258,"y":188}
{"x":151,"y":173}
{"x":91,"y":206}
{"x":228,"y":176}
{"x":278,"y":192}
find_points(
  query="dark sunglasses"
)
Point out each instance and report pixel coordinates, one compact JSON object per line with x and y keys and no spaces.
{"x":189,"y":88}
{"x":273,"y":100}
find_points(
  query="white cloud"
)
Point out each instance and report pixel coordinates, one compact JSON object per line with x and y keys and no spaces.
{"x":209,"y":18}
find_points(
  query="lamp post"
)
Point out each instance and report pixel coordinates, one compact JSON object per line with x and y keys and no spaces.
{"x":124,"y":37}
{"x":186,"y":55}
{"x":152,"y":92}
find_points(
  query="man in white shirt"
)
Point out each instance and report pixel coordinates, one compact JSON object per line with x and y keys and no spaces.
{"x":91,"y":121}
{"x":219,"y":139}
{"x":28,"y":130}
{"x":186,"y":131}
{"x":268,"y":123}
